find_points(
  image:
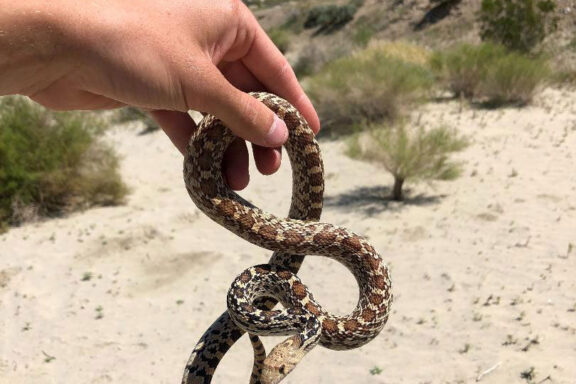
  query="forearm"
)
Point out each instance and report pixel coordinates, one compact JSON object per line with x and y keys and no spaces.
{"x":32,"y":44}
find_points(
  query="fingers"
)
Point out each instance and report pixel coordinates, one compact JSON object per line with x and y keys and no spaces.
{"x":267,"y":160}
{"x":272,"y":69}
{"x":178,"y":126}
{"x":243,"y":114}
{"x":240,"y":77}
{"x":235,"y":165}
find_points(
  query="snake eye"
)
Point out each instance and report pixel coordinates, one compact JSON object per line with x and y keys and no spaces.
{"x":282,"y":369}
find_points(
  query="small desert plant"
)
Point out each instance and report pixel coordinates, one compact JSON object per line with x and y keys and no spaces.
{"x":519,"y":25}
{"x":410,"y":154}
{"x":513,"y":79}
{"x":52,"y":162}
{"x":367,"y":87}
{"x":463,"y":67}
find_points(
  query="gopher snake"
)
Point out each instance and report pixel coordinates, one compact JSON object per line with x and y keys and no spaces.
{"x":256,"y":290}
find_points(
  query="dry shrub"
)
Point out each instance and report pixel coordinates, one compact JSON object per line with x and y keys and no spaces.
{"x":490,"y":74}
{"x":369,"y":86}
{"x":53,"y":162}
{"x":410,"y":154}
{"x":402,"y":50}
{"x":513,"y":79}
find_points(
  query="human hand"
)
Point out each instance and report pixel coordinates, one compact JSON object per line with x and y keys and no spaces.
{"x":166,"y":57}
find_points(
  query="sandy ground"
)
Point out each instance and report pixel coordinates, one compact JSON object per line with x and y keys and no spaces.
{"x":481,"y":266}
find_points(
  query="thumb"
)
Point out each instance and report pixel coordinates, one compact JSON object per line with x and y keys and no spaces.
{"x":246,"y":117}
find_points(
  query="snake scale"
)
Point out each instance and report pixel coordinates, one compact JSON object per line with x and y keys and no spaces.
{"x":255,"y":291}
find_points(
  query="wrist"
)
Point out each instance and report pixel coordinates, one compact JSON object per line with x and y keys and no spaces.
{"x":33,"y":46}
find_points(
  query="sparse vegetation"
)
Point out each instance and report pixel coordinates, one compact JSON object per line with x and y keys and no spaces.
{"x":87,"y":276}
{"x":514,"y":79}
{"x":410,"y":154}
{"x":519,"y":25}
{"x":367,"y":87}
{"x":375,"y":371}
{"x":490,"y":74}
{"x":463,"y":67}
{"x":52,"y":162}
{"x":329,"y":18}
{"x":528,"y":374}
{"x":99,"y":312}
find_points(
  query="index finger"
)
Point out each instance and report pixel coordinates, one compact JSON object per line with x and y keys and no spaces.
{"x":272,"y":69}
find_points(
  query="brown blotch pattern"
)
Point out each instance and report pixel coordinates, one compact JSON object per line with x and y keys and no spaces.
{"x":324,"y":238}
{"x":299,"y":290}
{"x":312,"y":308}
{"x":353,"y":243}
{"x":351,"y":325}
{"x":380,"y":282}
{"x":285,"y":274}
{"x":268,"y":231}
{"x":375,"y":299}
{"x":368,"y":315}
{"x":330,"y":325}
{"x":292,"y":237}
{"x":245,"y":277}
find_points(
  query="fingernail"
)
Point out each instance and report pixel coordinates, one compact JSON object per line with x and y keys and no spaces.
{"x":278,"y":133}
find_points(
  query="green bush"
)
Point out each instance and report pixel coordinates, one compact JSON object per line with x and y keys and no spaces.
{"x":329,"y":18}
{"x":519,"y":25}
{"x":367,"y":87}
{"x":489,"y":73}
{"x":281,"y":38}
{"x":513,"y":79}
{"x":410,"y":154}
{"x":52,"y":162}
{"x":462,"y":68}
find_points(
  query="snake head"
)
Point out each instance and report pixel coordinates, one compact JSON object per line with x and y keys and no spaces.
{"x":282,"y":360}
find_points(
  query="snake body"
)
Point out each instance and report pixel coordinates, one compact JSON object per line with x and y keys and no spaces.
{"x":256,"y":290}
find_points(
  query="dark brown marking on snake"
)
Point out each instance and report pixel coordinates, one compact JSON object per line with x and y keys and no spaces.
{"x":226,"y":208}
{"x":375,"y":299}
{"x":368,"y":315}
{"x":263,"y":271}
{"x":324,"y":238}
{"x":312,"y":308}
{"x":285,"y":274}
{"x":352,"y":243}
{"x":268,"y":231}
{"x":330,"y":325}
{"x":246,"y":220}
{"x":373,"y":262}
{"x":299,"y":290}
{"x":245,"y":277}
{"x":208,"y":189}
{"x":351,"y":325}
{"x":205,"y":161}
{"x":380,"y":282}
{"x":292,"y":237}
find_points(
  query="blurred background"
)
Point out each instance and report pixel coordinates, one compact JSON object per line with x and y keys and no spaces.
{"x":449,"y":140}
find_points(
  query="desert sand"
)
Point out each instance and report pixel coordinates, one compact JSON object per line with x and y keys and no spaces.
{"x":483,"y":267}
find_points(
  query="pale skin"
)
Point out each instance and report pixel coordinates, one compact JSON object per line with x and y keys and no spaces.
{"x":166,"y":57}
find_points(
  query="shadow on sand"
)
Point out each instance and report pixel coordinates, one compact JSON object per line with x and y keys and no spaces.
{"x":376,"y":199}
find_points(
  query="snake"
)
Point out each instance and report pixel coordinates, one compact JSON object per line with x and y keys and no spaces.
{"x":254,"y":293}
